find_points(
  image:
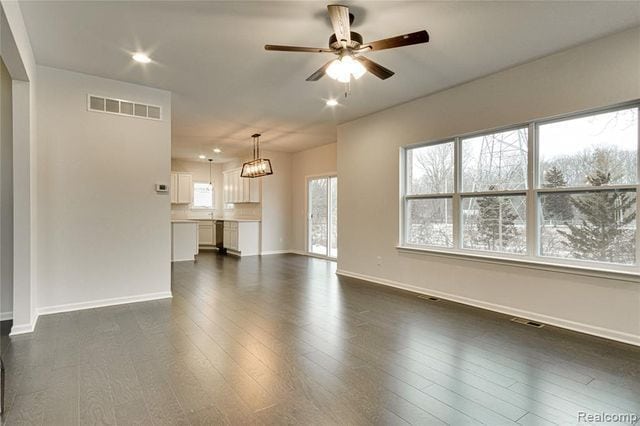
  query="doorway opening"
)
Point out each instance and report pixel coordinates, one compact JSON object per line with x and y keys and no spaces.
{"x":322,"y":216}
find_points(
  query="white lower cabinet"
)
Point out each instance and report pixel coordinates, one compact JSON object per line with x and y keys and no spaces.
{"x":184,"y":240}
{"x":230,"y":240}
{"x":206,"y":233}
{"x":242,"y":238}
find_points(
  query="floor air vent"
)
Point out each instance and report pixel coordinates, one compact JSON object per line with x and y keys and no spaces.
{"x":527,"y":322}
{"x":424,"y":296}
{"x":122,"y":107}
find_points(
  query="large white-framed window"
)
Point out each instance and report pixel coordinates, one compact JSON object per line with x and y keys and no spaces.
{"x":559,"y":191}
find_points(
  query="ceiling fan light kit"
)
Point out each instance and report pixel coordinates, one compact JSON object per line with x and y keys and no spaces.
{"x":258,"y":167}
{"x":344,"y":68}
{"x":347,"y":45}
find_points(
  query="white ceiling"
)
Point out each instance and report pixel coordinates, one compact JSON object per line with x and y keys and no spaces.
{"x":226,"y":87}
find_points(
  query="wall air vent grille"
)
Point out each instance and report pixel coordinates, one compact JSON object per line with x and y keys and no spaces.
{"x":426,"y":297}
{"x":123,"y":107}
{"x":527,"y":322}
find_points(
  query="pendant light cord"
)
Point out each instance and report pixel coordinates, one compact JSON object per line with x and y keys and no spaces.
{"x":256,"y":145}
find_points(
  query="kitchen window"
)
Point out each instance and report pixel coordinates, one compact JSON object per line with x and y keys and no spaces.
{"x":202,"y":195}
{"x":558,"y":192}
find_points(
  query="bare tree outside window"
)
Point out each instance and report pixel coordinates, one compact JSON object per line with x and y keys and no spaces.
{"x":430,"y":169}
{"x":430,"y":222}
{"x":430,"y":172}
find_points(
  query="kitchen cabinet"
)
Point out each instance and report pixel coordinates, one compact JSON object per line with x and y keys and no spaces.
{"x":206,"y":233}
{"x":184,"y":240}
{"x":242,"y":238}
{"x":173,"y":188}
{"x":237,"y":189}
{"x":181,"y":188}
{"x":225,"y":188}
{"x":230,"y":238}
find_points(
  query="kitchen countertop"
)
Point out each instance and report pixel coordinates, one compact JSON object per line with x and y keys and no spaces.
{"x":183,"y":221}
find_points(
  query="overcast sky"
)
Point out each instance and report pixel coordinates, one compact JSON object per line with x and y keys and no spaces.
{"x":611,"y":129}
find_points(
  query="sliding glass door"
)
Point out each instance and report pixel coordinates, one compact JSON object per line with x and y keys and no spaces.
{"x":322,"y":211}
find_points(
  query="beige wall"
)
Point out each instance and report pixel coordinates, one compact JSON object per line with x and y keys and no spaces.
{"x":276,"y":203}
{"x":312,"y":162}
{"x":599,"y":73}
{"x":104,"y":235}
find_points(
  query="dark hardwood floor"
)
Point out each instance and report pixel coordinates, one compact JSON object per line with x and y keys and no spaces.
{"x":282,"y":340}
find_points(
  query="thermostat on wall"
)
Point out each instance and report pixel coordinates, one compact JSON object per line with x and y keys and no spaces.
{"x":162,"y":187}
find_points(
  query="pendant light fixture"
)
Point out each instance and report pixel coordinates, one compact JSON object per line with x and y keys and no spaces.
{"x":257,"y":167}
{"x":210,"y":180}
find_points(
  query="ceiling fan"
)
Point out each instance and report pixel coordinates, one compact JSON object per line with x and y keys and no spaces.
{"x":348,"y":45}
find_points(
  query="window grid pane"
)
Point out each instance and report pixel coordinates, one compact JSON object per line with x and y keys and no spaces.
{"x":495,"y":223}
{"x":597,"y":226}
{"x":430,"y":169}
{"x":429,"y":222}
{"x":596,"y":150}
{"x":495,"y":161}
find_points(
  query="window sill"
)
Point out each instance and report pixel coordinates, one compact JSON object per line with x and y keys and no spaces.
{"x":588,"y":271}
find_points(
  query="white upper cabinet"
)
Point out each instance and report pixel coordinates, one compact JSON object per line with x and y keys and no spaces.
{"x":181,"y":188}
{"x":173,"y":188}
{"x":238,"y":189}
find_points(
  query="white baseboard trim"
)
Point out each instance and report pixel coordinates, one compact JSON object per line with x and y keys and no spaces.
{"x":317,"y":256}
{"x":290,"y":251}
{"x":47,"y":310}
{"x":4,"y":316}
{"x":267,"y":253}
{"x":606,"y":333}
{"x":103,"y":302}
{"x":22,"y":329}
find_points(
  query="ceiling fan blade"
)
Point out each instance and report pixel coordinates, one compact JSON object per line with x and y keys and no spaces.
{"x":399,"y":41}
{"x":320,"y":73}
{"x":375,"y":68}
{"x":339,"y":16}
{"x":296,"y":49}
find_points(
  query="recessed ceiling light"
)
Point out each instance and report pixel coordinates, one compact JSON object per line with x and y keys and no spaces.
{"x":142,"y":58}
{"x":332,"y":102}
{"x":202,"y":157}
{"x":217,"y":150}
